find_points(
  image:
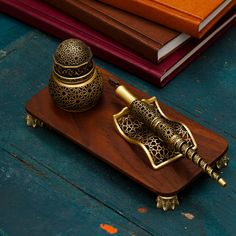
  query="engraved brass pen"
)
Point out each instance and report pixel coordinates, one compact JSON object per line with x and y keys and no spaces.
{"x":147,"y":114}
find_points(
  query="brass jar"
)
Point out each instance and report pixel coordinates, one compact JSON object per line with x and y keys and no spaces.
{"x":75,"y":83}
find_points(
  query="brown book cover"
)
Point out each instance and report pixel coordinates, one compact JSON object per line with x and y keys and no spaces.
{"x":194,"y":17}
{"x":146,"y":38}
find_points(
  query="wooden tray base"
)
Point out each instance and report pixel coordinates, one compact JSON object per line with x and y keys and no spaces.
{"x":94,"y":130}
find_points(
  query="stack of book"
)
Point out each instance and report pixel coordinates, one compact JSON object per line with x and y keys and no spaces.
{"x":154,"y":39}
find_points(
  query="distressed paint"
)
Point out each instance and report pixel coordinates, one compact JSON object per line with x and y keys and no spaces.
{"x":109,"y":228}
{"x":142,"y":210}
{"x":188,"y":215}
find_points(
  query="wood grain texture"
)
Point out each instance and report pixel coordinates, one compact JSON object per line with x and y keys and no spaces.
{"x":94,"y":130}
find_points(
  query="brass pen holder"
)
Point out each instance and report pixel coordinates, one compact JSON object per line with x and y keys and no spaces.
{"x":156,"y":151}
{"x":166,"y":182}
{"x":156,"y":133}
{"x":76,"y":85}
{"x":163,"y":140}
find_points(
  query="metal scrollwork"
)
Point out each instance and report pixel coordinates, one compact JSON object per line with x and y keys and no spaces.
{"x":136,"y":132}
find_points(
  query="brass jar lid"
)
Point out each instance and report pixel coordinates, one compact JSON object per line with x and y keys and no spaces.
{"x":73,"y":59}
{"x":75,"y":80}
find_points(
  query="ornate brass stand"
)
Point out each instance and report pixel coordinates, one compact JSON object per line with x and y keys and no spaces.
{"x":135,"y":132}
{"x":166,"y":182}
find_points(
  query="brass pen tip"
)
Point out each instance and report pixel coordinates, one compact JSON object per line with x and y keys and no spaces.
{"x":114,"y":83}
{"x":222,"y":182}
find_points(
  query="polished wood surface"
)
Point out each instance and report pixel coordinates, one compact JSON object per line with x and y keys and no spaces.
{"x":94,"y":130}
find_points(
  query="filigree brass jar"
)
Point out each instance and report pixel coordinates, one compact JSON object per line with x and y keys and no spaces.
{"x":75,"y":83}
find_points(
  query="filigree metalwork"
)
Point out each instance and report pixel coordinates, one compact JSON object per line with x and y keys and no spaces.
{"x":134,"y":131}
{"x":32,"y":121}
{"x":167,"y":203}
{"x":75,"y":83}
{"x":222,"y":162}
{"x":79,"y":97}
{"x":72,"y":52}
{"x":71,"y":72}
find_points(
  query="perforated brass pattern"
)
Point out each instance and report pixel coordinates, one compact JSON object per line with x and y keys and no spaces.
{"x":164,"y":130}
{"x":144,"y":112}
{"x":151,"y":117}
{"x":76,"y":97}
{"x":138,"y":131}
{"x":72,"y":52}
{"x":73,"y":72}
{"x":75,"y":80}
{"x":161,"y":127}
{"x":75,"y":83}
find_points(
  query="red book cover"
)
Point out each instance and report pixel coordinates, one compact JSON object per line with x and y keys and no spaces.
{"x":52,"y":21}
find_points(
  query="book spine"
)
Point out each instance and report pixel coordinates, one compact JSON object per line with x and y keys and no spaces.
{"x":107,"y":26}
{"x":161,"y":14}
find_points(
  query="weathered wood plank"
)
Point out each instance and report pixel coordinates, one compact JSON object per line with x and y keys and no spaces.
{"x":36,"y":201}
{"x":10,"y":31}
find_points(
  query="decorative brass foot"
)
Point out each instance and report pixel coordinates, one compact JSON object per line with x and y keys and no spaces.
{"x":167,"y":203}
{"x":33,"y":122}
{"x":222,"y":162}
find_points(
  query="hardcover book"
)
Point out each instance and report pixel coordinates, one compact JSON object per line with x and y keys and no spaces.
{"x":193,"y":17}
{"x":146,"y":38}
{"x":52,"y":21}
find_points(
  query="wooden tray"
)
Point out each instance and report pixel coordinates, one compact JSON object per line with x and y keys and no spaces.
{"x":94,"y":130}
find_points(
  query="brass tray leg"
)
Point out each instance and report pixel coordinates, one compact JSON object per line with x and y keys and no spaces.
{"x":32,"y":121}
{"x":167,"y":203}
{"x":222,"y":162}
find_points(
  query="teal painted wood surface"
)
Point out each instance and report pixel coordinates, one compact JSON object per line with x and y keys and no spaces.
{"x":49,"y":186}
